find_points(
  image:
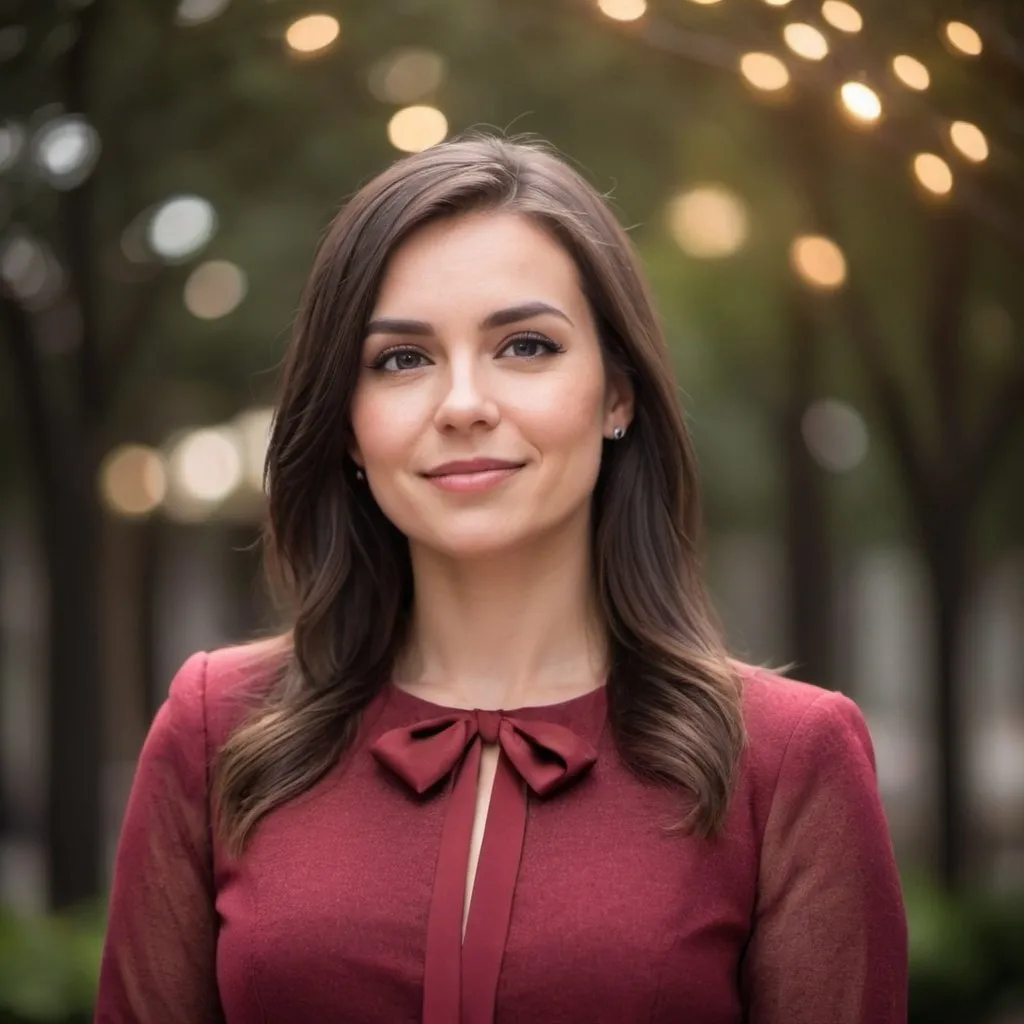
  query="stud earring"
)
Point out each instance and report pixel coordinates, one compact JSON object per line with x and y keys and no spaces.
{"x":618,"y":433}
{"x":360,"y":475}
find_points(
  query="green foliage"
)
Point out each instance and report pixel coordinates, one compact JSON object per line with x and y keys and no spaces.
{"x":967,"y":956}
{"x":49,"y":967}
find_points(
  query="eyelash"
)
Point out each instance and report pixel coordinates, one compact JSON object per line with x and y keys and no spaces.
{"x":551,"y":347}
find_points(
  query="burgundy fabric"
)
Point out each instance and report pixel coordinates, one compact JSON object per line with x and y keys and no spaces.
{"x":461,"y":983}
{"x":793,"y":915}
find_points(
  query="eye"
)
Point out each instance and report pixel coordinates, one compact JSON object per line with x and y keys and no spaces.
{"x":395,"y":360}
{"x":530,"y":346}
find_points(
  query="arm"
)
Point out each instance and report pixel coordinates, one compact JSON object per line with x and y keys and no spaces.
{"x":829,"y":941}
{"x":160,"y":952}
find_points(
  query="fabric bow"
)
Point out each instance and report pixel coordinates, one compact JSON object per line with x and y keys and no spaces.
{"x":546,"y":755}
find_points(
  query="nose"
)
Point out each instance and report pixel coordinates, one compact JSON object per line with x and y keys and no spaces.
{"x":467,"y":401}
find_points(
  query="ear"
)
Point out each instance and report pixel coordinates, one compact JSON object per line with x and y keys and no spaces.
{"x":619,"y":402}
{"x":355,"y":453}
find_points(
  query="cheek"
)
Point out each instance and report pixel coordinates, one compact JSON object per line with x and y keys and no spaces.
{"x":384,"y":425}
{"x":565,"y":417}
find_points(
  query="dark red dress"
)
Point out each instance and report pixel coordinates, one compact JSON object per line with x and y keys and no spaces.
{"x":346,"y":906}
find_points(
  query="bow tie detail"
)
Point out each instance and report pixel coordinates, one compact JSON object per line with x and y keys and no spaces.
{"x":546,"y":755}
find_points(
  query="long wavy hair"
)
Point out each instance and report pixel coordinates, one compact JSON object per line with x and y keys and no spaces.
{"x":344,"y":571}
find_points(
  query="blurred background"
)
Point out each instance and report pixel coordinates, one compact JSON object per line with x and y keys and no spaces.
{"x":829,"y":198}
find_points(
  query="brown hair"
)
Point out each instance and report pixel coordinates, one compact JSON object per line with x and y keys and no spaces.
{"x":674,"y":697}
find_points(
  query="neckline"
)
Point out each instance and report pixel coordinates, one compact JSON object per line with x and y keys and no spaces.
{"x":581,"y":700}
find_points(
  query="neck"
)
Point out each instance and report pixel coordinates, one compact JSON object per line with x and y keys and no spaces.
{"x":510,"y":631}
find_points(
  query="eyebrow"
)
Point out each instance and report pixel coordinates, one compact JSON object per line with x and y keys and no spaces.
{"x":499,"y":318}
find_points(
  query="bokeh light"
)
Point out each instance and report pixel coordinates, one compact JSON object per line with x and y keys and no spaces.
{"x":215,"y":289}
{"x":12,"y":142}
{"x":933,"y":173}
{"x":818,"y":261}
{"x":206,"y":465}
{"x":253,"y":428}
{"x":180,"y":227}
{"x":133,"y":480}
{"x":805,"y":41}
{"x":835,"y":434}
{"x":413,"y":129}
{"x":312,"y":34}
{"x":911,"y":72}
{"x":709,"y":222}
{"x":970,"y":140}
{"x":861,"y":102}
{"x":623,"y":10}
{"x":963,"y":38}
{"x":842,"y":16}
{"x":406,"y":75}
{"x":764,"y":71}
{"x":66,"y":149}
{"x":195,"y":12}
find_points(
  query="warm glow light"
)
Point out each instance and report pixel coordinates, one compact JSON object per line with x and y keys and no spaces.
{"x":819,"y":261}
{"x":933,"y":173}
{"x":206,"y":466}
{"x":413,"y":129}
{"x":623,"y":10}
{"x":708,"y":222}
{"x":912,"y":73}
{"x":861,"y":102}
{"x":406,"y":75}
{"x":970,"y":140}
{"x":214,"y":289}
{"x":133,"y":480}
{"x":763,"y":71}
{"x":806,"y":41}
{"x":842,"y":16}
{"x":313,"y":33}
{"x":778,"y":3}
{"x":963,"y":38}
{"x":706,"y":3}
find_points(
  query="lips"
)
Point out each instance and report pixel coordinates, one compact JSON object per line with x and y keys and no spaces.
{"x":467,"y":467}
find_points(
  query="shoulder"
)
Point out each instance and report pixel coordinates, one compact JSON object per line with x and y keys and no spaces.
{"x":797,"y":730}
{"x":214,"y":690}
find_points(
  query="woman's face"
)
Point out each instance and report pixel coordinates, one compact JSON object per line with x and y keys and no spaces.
{"x":483,"y":400}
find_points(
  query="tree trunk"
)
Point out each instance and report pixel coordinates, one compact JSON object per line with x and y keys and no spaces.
{"x":809,"y":625}
{"x":948,"y":569}
{"x":74,"y":817}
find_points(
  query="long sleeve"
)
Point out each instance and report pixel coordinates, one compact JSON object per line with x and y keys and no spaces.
{"x":160,"y":950}
{"x":829,"y":941}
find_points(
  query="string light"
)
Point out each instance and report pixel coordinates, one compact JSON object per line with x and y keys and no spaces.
{"x":622,"y":10}
{"x":764,"y":72}
{"x":806,"y":41}
{"x":964,"y":38}
{"x":912,"y":73}
{"x":818,"y":261}
{"x":933,"y":173}
{"x":970,"y":140}
{"x":861,"y":102}
{"x":313,"y":33}
{"x":842,"y":16}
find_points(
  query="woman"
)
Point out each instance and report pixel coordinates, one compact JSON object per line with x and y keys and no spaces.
{"x":501,"y":768}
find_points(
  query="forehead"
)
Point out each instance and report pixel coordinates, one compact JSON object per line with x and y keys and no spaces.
{"x":476,"y":263}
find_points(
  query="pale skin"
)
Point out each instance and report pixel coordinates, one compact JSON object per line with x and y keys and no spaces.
{"x":482,"y":345}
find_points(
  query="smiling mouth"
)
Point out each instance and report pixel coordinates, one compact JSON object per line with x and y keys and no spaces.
{"x":472,"y":476}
